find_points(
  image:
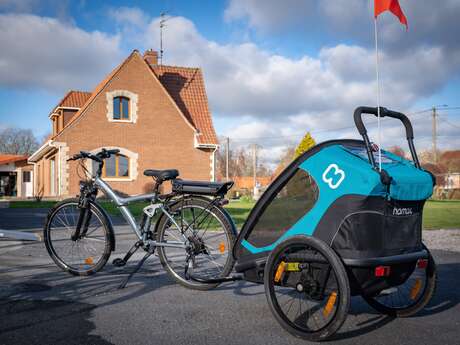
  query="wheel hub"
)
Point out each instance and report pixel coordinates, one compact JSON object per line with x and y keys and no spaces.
{"x":197,"y":245}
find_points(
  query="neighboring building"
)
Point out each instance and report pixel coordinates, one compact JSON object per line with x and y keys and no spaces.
{"x":158,"y":116}
{"x":247,"y":182}
{"x":244,"y":185}
{"x":451,"y":181}
{"x":16,"y":178}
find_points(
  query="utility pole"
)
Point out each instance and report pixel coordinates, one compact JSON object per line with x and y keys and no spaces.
{"x":227,"y":156}
{"x":434,"y":134}
{"x":254,"y":163}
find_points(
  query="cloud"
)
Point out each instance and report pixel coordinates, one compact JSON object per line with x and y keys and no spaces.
{"x":129,"y":16}
{"x":44,"y":53}
{"x":278,"y":98}
{"x":19,"y":6}
{"x":243,"y":79}
{"x":269,"y":15}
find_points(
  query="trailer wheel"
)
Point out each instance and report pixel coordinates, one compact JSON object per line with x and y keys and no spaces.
{"x":410,"y":297}
{"x":307,"y":288}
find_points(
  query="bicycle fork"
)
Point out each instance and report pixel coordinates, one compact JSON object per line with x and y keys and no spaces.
{"x":84,"y":218}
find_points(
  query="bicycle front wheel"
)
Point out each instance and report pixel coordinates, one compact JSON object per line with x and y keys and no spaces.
{"x":82,"y":255}
{"x":208,"y":236}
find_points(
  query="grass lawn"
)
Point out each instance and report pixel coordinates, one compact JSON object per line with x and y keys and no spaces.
{"x":437,"y":214}
{"x":442,"y":214}
{"x":32,"y":204}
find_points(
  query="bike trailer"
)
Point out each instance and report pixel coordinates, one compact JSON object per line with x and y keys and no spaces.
{"x":337,"y":193}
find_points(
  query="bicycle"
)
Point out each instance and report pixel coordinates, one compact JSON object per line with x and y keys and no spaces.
{"x":189,"y":226}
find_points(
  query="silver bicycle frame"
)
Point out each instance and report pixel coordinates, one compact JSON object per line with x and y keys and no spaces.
{"x":122,"y":203}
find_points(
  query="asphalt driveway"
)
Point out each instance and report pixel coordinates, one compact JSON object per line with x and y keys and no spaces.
{"x":39,"y":304}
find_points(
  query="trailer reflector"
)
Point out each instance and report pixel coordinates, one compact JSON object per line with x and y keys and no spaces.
{"x":330,"y":304}
{"x":422,"y":263}
{"x":415,"y":289}
{"x":382,"y":271}
{"x":279,"y":271}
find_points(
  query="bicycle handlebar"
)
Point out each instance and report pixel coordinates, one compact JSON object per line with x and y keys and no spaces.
{"x":98,"y":157}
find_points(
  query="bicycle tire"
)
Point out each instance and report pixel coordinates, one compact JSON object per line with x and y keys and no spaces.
{"x":176,"y":271}
{"x":88,"y":267}
{"x":341,"y":301}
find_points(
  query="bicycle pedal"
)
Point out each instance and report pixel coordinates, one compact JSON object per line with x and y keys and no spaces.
{"x":119,"y":262}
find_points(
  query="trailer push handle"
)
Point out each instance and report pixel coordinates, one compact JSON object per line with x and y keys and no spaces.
{"x":384,"y":112}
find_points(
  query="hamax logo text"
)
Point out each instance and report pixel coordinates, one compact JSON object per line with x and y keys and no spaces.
{"x":406,"y":211}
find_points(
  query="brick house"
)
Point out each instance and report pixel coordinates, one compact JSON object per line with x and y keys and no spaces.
{"x":158,"y":116}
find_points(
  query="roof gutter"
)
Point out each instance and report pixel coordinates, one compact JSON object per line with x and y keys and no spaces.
{"x":44,"y":149}
{"x":53,"y":113}
{"x":197,"y":145}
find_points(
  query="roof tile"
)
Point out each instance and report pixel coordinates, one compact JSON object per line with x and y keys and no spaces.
{"x":74,"y":99}
{"x":186,"y":87}
{"x":8,"y":158}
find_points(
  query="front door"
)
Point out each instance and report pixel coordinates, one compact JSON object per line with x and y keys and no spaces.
{"x":27,"y":184}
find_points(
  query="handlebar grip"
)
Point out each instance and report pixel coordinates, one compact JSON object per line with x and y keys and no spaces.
{"x":383,"y":112}
{"x":357,"y":116}
{"x":113,"y":151}
{"x":404,"y":119}
{"x":359,"y":120}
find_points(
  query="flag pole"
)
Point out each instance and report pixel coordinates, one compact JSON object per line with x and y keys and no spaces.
{"x":378,"y":91}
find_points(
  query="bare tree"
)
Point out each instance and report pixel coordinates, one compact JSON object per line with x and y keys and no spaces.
{"x":398,"y":151}
{"x":286,"y":159}
{"x":17,"y":141}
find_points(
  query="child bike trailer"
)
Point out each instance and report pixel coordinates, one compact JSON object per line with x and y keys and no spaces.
{"x":335,"y":224}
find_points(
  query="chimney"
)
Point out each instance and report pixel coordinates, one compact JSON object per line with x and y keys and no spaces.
{"x":151,"y":57}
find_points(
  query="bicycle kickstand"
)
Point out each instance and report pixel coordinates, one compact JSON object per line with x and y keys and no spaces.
{"x":150,"y":251}
{"x":122,"y":262}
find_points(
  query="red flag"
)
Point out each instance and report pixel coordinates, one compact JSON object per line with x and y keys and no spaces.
{"x":392,"y":6}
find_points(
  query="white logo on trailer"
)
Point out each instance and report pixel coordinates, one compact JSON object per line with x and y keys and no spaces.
{"x":337,"y":171}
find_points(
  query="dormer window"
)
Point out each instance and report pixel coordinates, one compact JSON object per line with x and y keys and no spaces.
{"x":121,"y":106}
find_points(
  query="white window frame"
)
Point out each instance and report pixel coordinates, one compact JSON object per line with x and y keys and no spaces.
{"x":133,"y":164}
{"x":133,"y":98}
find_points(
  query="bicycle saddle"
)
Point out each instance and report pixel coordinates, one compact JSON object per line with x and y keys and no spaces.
{"x":163,"y":175}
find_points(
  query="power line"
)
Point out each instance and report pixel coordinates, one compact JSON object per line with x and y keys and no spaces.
{"x":450,"y":123}
{"x":372,"y":124}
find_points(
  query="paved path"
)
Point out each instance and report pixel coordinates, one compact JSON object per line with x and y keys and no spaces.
{"x":42,"y":305}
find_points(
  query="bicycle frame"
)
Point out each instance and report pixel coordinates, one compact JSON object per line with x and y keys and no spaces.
{"x":122,"y":203}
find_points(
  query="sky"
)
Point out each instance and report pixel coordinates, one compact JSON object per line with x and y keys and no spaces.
{"x":273,"y":69}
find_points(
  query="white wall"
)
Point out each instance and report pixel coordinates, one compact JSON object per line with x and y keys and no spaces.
{"x":8,"y":167}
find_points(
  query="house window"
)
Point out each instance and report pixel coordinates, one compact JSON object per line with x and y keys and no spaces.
{"x":121,"y":108}
{"x":116,"y":166}
{"x":26,"y":176}
{"x":120,"y":167}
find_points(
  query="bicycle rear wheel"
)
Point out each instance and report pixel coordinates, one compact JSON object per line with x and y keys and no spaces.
{"x":209,"y":239}
{"x":86,"y":254}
